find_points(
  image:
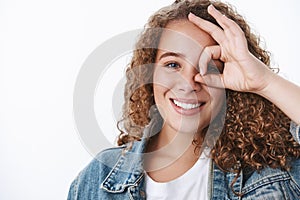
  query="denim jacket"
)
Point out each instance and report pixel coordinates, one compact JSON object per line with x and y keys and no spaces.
{"x":117,"y":173}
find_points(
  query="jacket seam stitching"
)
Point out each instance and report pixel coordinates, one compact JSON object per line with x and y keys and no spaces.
{"x":260,"y":182}
{"x":107,"y":177}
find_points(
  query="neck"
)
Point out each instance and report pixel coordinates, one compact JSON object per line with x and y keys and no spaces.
{"x":169,"y":146}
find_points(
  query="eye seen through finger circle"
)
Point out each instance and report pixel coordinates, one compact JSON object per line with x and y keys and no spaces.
{"x":214,"y":67}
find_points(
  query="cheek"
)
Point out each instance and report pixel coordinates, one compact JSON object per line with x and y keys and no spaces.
{"x":163,"y":78}
{"x":163,"y":82}
{"x":159,"y":99}
{"x":218,"y":99}
{"x":158,"y":91}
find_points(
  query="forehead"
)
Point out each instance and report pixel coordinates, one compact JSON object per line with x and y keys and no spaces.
{"x":184,"y":37}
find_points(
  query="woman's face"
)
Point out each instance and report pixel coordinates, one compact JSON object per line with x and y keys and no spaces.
{"x":185,"y":105}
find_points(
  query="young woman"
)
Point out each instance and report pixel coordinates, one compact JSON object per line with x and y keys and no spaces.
{"x":205,"y":117}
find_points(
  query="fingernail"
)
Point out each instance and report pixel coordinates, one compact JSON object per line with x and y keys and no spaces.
{"x":201,"y":71}
{"x":192,"y":14}
{"x":211,"y":7}
{"x":197,"y":78}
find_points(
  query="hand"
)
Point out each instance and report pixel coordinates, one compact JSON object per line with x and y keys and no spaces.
{"x":242,"y":71}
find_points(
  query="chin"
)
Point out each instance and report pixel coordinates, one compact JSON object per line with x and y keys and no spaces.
{"x":189,"y":128}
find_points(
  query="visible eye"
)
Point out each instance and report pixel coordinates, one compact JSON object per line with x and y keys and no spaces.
{"x":212,"y":68}
{"x":172,"y":65}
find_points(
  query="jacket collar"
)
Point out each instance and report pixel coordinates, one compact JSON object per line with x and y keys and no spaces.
{"x":128,"y":171}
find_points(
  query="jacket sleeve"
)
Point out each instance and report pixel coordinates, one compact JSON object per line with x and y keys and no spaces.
{"x":295,"y":131}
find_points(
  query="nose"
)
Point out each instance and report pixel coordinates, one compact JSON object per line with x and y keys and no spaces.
{"x":186,"y":82}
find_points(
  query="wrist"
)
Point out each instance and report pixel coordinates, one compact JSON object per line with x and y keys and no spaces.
{"x":270,"y":78}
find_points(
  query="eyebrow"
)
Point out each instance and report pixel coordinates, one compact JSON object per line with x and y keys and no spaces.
{"x":166,"y":54}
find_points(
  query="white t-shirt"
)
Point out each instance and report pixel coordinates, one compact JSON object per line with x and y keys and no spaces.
{"x":191,"y":185}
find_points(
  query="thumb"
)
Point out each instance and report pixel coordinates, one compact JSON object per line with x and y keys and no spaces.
{"x":211,"y":80}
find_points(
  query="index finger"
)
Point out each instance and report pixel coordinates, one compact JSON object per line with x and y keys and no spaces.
{"x":216,"y":32}
{"x":223,"y":20}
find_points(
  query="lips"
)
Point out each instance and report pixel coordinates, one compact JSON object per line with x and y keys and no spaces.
{"x":187,"y":107}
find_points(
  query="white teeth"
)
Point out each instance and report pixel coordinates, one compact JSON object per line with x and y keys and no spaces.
{"x":186,"y":106}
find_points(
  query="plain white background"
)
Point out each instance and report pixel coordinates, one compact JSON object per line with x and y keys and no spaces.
{"x":42,"y":47}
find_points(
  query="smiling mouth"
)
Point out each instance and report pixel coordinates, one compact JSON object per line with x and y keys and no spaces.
{"x":187,"y":106}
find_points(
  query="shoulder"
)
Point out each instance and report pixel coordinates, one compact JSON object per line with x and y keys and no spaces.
{"x":105,"y":159}
{"x":295,"y":131}
{"x":294,"y":172}
{"x":108,"y":156}
{"x":274,"y":183}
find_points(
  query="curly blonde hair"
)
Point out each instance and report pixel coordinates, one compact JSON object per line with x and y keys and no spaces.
{"x":255,"y":133}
